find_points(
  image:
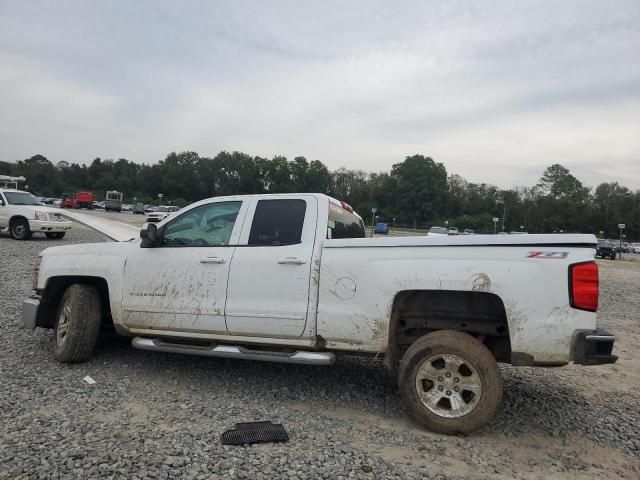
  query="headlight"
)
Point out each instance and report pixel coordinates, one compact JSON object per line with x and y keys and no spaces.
{"x":41,"y":215}
{"x":36,"y":271}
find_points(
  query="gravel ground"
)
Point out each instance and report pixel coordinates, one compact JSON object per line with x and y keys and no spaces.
{"x":154,"y":415}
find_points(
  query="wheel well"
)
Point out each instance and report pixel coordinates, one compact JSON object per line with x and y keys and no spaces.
{"x":55,"y":288}
{"x":17,"y":217}
{"x":418,"y":312}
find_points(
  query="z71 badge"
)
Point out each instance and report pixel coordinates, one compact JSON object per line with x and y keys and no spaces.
{"x":540,"y":254}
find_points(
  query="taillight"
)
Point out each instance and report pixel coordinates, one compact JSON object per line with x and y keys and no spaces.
{"x":583,"y":286}
{"x":346,"y":206}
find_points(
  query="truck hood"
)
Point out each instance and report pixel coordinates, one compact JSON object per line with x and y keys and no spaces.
{"x":118,"y":231}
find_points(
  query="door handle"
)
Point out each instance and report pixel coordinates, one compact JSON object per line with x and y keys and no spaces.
{"x":291,"y":261}
{"x":212,"y":260}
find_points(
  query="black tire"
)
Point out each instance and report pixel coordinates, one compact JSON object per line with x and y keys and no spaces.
{"x":79,"y":313}
{"x":20,"y":230}
{"x":55,"y":235}
{"x":613,"y":256}
{"x":479,"y":367}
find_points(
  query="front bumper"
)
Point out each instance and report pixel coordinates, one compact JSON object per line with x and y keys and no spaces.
{"x":49,"y":226}
{"x":30,"y":312}
{"x":593,"y":347}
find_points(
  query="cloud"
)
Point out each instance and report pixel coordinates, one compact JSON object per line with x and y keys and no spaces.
{"x":495,"y":90}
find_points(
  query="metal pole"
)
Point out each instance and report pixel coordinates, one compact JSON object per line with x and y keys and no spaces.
{"x":621,"y":227}
{"x":504,"y":212}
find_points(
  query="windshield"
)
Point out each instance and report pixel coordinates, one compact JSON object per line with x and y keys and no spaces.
{"x":21,"y":198}
{"x":161,"y":209}
{"x":604,"y":243}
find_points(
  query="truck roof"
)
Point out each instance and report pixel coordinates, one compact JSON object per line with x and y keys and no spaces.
{"x":2,"y":189}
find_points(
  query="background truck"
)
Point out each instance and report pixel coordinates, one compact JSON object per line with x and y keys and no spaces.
{"x":292,"y":278}
{"x":22,"y":215}
{"x":80,"y":200}
{"x":113,"y":201}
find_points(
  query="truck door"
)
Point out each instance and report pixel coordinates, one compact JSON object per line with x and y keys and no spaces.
{"x":268,"y":292}
{"x":181,"y":284}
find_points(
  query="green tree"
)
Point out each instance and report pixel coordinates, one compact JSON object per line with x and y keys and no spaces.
{"x":421,"y":188}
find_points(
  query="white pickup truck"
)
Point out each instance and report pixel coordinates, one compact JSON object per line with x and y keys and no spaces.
{"x":292,"y":278}
{"x":22,"y":215}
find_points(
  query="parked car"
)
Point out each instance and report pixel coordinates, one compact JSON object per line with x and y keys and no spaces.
{"x":138,"y":208}
{"x":468,"y":231}
{"x":635,"y":247}
{"x":438,"y":231}
{"x":616,"y":244}
{"x":22,"y":215}
{"x":453,"y":231}
{"x":605,"y":249}
{"x":292,"y":295}
{"x":159,"y":213}
{"x":381,"y":228}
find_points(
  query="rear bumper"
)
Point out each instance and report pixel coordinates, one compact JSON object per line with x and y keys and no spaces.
{"x":593,"y":347}
{"x":30,"y":312}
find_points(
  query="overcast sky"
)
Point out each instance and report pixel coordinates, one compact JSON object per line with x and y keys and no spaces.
{"x":496,"y":91}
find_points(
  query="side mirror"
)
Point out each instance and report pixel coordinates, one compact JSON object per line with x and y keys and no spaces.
{"x":149,"y":235}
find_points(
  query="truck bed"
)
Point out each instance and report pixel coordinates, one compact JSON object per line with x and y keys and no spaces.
{"x":360,"y":280}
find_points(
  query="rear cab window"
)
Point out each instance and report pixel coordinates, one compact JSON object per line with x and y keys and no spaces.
{"x":278,"y":222}
{"x":344,"y":223}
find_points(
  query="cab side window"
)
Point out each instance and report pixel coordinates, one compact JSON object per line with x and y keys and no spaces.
{"x":278,"y":222}
{"x":208,"y":225}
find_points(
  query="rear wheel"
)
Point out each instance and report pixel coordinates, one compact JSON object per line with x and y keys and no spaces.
{"x":450,"y":382}
{"x":55,"y":235}
{"x":20,"y":229}
{"x":77,"y":324}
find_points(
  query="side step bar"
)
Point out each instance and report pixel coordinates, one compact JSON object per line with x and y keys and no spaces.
{"x":232,"y":351}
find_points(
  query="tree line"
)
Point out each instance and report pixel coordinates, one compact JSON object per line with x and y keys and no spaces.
{"x":417,"y":192}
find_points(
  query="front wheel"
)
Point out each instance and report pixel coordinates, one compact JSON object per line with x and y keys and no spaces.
{"x":77,"y":324}
{"x":20,"y":230}
{"x":450,"y":382}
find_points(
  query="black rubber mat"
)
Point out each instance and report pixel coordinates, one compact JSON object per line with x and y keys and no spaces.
{"x":255,"y":432}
